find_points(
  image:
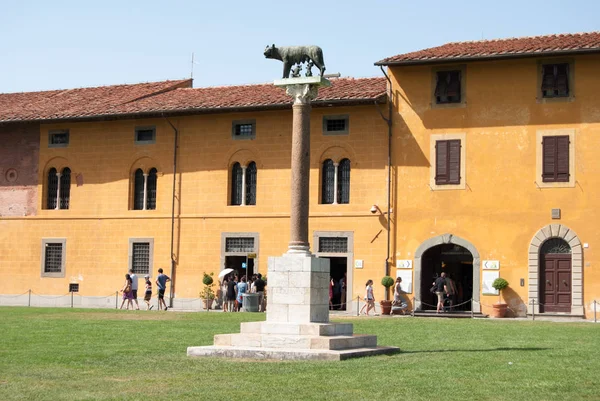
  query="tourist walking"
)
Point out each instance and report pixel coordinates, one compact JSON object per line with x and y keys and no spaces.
{"x":134,"y":288}
{"x":161,"y":284}
{"x":148,"y":292}
{"x":259,"y":286}
{"x":399,"y":303}
{"x":127,"y":293}
{"x":440,"y":288}
{"x":242,"y":288}
{"x":231,"y":294}
{"x":369,"y":298}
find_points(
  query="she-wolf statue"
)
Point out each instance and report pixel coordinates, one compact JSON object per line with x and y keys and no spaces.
{"x":291,"y":55}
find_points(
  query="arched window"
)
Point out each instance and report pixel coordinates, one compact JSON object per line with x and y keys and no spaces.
{"x":151,"y":191}
{"x":343,"y":189}
{"x":138,"y":190}
{"x":328,"y":182}
{"x":251,"y":184}
{"x":59,"y":189}
{"x":65,"y":188}
{"x":52,"y":189}
{"x":554,"y":246}
{"x":236,"y":184}
{"x":144,"y":189}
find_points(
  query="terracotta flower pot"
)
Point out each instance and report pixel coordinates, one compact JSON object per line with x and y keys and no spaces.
{"x":498,"y":310}
{"x":386,"y":307}
{"x":207,"y":303}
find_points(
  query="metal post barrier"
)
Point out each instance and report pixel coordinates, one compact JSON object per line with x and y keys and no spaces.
{"x":116,"y":299}
{"x":595,"y":321}
{"x":71,"y":299}
{"x":29,"y":300}
{"x":472,"y":313}
{"x":533,"y":309}
{"x":412,"y":313}
{"x":357,"y":306}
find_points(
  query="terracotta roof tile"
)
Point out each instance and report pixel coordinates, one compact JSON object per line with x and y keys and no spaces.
{"x":501,"y":48}
{"x":171,"y":97}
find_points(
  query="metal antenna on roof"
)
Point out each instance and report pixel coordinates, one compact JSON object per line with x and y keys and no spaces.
{"x":192,"y":67}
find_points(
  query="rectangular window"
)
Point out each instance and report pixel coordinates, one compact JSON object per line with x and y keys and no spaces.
{"x":336,"y":125}
{"x":555,"y":155}
{"x":145,"y":135}
{"x":555,"y":80}
{"x":53,"y":257}
{"x":243,"y":129}
{"x":239,"y":244}
{"x":58,"y":139}
{"x":447,"y":162}
{"x":333,"y":244}
{"x":448,"y":87}
{"x":141,"y":254}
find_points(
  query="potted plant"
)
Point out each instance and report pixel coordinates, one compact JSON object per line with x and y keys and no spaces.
{"x":499,"y":308}
{"x":207,"y":294}
{"x":386,"y":306}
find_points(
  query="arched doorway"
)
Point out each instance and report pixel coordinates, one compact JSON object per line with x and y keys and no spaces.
{"x":555,"y":276}
{"x":442,"y":248}
{"x":541,"y":250}
{"x":457,"y":263}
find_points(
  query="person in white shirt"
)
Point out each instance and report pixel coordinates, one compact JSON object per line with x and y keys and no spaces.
{"x":134,"y":288}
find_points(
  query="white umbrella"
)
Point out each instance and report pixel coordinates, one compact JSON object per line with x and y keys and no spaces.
{"x":225,"y":272}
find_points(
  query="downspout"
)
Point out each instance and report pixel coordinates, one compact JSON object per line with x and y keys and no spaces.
{"x":172,"y":274}
{"x":388,"y":120}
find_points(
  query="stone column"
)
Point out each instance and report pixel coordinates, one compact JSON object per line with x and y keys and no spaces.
{"x":145,"y":199}
{"x":58,"y":175}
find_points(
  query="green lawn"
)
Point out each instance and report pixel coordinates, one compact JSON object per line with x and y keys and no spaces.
{"x":81,"y":354}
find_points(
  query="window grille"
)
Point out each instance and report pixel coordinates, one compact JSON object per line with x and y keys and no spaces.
{"x":138,"y":190}
{"x":333,"y":244}
{"x":251,"y":184}
{"x":555,"y":80}
{"x":239,"y":244}
{"x":65,"y":188}
{"x":243,"y":129}
{"x":140,"y":262}
{"x":52,"y":188}
{"x":74,"y":287}
{"x":336,"y":125}
{"x":555,"y":245}
{"x":151,"y":188}
{"x":58,"y":139}
{"x":448,"y":87}
{"x":53,"y":257}
{"x":236,"y":184}
{"x":145,"y":135}
{"x":327,"y":182}
{"x":344,"y":181}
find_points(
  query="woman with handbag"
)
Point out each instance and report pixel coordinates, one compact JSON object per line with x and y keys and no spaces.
{"x":127,"y":292}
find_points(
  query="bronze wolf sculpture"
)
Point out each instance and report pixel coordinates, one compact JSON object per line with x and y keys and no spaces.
{"x":291,"y":55}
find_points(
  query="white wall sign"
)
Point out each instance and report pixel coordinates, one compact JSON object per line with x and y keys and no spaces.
{"x":358,"y":264}
{"x":490,"y":264}
{"x":406,"y":280}
{"x":487,"y":279}
{"x":403,"y":264}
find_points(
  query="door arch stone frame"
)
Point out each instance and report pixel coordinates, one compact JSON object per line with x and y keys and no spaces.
{"x":568,"y":235}
{"x":449,"y":239}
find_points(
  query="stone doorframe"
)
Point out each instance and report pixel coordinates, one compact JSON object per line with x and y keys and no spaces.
{"x":565,"y":233}
{"x":349,"y":255}
{"x":448,"y":239}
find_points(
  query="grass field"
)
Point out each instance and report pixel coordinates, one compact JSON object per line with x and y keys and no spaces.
{"x":80,"y":354}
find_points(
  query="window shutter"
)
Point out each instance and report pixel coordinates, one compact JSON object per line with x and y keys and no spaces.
{"x":562,"y":79}
{"x":454,"y":162}
{"x":52,"y":188}
{"x":327,"y":182}
{"x":251,"y":184}
{"x":236,"y":184}
{"x":151,"y":190}
{"x":562,"y":158}
{"x":344,"y":182}
{"x":453,"y":79}
{"x":548,"y":77}
{"x":138,"y":190}
{"x":65,"y":188}
{"x":440,"y":85}
{"x":548,"y":156}
{"x":441,"y":162}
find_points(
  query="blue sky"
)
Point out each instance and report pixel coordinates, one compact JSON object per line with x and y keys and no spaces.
{"x":68,"y":44}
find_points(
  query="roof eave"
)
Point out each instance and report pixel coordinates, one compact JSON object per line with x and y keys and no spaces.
{"x":488,"y":58}
{"x":192,"y":111}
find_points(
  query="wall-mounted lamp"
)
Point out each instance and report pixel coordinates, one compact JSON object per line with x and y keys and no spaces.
{"x":376,"y":209}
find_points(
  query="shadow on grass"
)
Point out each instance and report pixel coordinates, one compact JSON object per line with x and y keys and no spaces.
{"x":474,"y":350}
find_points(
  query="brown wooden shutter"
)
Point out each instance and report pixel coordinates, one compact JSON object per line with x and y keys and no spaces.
{"x":548,"y":77}
{"x":562,"y":79}
{"x":548,"y":156}
{"x":453,"y":83}
{"x":441,"y":162}
{"x":562,"y":158}
{"x":454,"y":162}
{"x":440,"y":85}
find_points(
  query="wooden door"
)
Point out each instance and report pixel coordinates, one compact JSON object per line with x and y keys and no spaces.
{"x":555,"y":283}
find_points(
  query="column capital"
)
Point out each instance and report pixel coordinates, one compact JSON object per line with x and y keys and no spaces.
{"x":302,"y":89}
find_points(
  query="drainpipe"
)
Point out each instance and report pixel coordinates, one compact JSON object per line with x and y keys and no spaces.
{"x":388,"y":120}
{"x":172,"y":275}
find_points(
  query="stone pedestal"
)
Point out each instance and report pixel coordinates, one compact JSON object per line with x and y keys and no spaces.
{"x":297,"y":325}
